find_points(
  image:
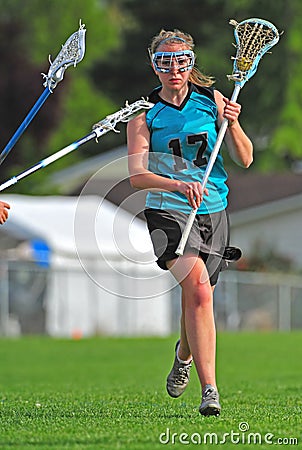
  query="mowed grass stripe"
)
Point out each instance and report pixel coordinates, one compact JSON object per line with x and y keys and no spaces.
{"x":107,"y":393}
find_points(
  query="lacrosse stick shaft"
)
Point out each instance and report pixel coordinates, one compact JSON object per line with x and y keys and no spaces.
{"x":223,"y":128}
{"x":99,"y":129}
{"x":52,"y":158}
{"x":37,"y":106}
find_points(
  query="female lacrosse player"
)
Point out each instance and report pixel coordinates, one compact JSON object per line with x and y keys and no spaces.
{"x":3,"y":212}
{"x":169,"y":147}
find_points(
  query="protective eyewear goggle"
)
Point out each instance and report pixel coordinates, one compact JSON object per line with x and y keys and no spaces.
{"x":182,"y":60}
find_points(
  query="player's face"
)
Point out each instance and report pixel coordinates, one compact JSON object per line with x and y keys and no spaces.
{"x":173,"y":64}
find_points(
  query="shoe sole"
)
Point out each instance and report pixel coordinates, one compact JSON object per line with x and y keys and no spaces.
{"x":210,"y":411}
{"x":173,"y":395}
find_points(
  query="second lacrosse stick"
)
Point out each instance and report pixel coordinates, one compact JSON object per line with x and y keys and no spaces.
{"x":99,"y":129}
{"x":71,"y":53}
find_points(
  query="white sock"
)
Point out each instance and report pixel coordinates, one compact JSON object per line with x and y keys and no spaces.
{"x":181,"y":360}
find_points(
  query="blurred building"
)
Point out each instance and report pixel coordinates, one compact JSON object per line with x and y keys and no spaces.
{"x":81,"y":263}
{"x":79,"y":266}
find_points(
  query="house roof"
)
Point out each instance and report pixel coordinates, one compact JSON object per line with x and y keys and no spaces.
{"x":110,"y":165}
{"x":267,"y":210}
{"x":250,"y":189}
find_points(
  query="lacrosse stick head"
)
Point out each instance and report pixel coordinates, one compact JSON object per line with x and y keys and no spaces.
{"x":123,"y":115}
{"x":254,"y":37}
{"x":71,"y":54}
{"x":132,"y":110}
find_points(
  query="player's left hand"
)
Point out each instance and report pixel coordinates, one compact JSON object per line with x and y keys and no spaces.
{"x":231,"y":110}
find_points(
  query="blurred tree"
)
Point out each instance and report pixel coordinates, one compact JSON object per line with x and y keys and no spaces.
{"x":262,"y":97}
{"x":286,"y":141}
{"x":116,"y":68}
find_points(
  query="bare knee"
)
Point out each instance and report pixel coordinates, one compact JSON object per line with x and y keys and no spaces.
{"x":200,"y":295}
{"x":191,"y":273}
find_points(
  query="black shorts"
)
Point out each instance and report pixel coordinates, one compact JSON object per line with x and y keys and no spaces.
{"x":208,"y":238}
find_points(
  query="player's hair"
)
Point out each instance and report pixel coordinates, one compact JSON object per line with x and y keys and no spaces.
{"x":175,"y":37}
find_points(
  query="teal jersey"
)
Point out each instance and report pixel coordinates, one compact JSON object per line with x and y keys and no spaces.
{"x":181,"y":141}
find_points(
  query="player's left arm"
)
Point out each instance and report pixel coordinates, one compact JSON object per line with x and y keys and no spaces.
{"x":238,"y":143}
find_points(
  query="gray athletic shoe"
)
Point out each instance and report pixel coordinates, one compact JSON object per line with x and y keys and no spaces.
{"x":210,"y":405}
{"x":179,"y":376}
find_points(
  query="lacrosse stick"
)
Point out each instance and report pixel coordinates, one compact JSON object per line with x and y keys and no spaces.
{"x":254,"y":37}
{"x":72,"y":53}
{"x":99,"y":129}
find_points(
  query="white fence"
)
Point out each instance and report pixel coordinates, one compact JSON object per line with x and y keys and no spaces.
{"x":258,"y":301}
{"x":38,"y":300}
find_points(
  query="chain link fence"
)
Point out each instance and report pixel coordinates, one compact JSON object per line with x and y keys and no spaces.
{"x":30,"y":295}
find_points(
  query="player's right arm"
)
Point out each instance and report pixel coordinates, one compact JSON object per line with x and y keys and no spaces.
{"x":138,"y":139}
{"x":238,"y":143}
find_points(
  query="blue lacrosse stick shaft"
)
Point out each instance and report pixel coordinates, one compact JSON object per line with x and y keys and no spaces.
{"x":52,"y":158}
{"x":25,"y":124}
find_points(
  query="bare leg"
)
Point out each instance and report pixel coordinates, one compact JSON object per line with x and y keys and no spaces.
{"x":198,"y":333}
{"x":184,"y":351}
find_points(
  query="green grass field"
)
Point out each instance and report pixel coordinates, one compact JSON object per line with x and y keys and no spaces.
{"x":106,"y":393}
